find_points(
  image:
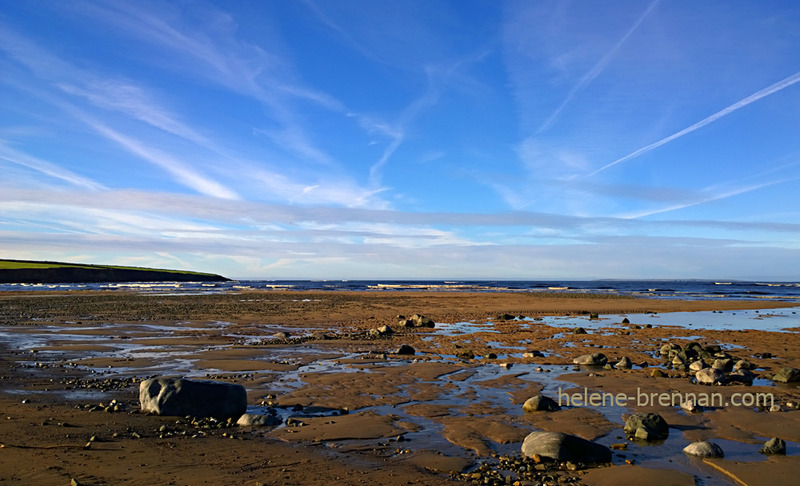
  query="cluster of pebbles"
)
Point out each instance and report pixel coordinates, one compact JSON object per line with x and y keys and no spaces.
{"x":514,"y":470}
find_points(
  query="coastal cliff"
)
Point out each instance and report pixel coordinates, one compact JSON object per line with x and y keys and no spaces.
{"x":25,"y":271}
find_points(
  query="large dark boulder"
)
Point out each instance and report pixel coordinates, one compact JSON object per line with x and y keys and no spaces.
{"x":563,"y":447}
{"x":179,"y":397}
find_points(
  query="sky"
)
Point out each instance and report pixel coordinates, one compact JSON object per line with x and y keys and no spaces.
{"x":429,"y":139}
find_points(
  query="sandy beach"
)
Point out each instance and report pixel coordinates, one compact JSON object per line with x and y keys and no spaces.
{"x":354,"y":411}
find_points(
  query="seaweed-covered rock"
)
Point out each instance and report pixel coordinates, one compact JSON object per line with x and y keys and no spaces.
{"x":787,"y":375}
{"x":774,"y":446}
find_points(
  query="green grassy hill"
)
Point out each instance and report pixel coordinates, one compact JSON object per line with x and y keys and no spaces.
{"x":27,"y":271}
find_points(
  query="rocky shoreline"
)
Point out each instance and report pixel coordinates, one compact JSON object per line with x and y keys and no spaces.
{"x":342,"y":387}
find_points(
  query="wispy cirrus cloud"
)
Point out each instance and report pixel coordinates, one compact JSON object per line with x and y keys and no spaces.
{"x":44,"y":167}
{"x":596,"y":70}
{"x":218,"y":56}
{"x":179,"y":169}
{"x":138,"y":102}
{"x":769,"y":90}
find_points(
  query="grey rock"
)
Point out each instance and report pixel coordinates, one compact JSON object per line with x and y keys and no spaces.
{"x":743,"y":364}
{"x":179,"y":397}
{"x":704,"y":449}
{"x":595,"y":359}
{"x":540,"y":403}
{"x":787,"y":375}
{"x":254,"y":420}
{"x":564,"y":447}
{"x":697,"y":365}
{"x":742,"y":376}
{"x":667,"y":348}
{"x":646,"y":426}
{"x":725,"y":364}
{"x":625,"y":362}
{"x":690,"y":406}
{"x":710,"y":376}
{"x":416,"y":321}
{"x":381,"y":331}
{"x":533,"y":354}
{"x":774,"y":446}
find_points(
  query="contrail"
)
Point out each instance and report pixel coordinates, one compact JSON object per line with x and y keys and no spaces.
{"x":785,"y":83}
{"x":595,"y":71}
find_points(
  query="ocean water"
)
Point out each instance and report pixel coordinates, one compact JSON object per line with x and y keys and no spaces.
{"x":660,"y":289}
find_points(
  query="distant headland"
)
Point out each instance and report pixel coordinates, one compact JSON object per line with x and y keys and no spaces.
{"x":29,"y":271}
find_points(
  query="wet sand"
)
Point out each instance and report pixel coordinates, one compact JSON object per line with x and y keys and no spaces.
{"x":358,"y":412}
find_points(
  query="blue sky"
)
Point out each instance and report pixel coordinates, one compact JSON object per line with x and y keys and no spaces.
{"x":347,"y":139}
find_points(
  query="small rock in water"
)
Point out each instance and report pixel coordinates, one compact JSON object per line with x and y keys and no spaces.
{"x":580,"y":330}
{"x":691,"y":407}
{"x":704,"y":449}
{"x":405,"y":349}
{"x":540,"y":403}
{"x":625,"y":362}
{"x":646,"y":426}
{"x":774,"y":446}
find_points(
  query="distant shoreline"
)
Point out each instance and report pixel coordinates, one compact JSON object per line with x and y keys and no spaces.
{"x":44,"y":272}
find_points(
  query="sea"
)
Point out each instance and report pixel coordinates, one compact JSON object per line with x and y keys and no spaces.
{"x":657,"y":289}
